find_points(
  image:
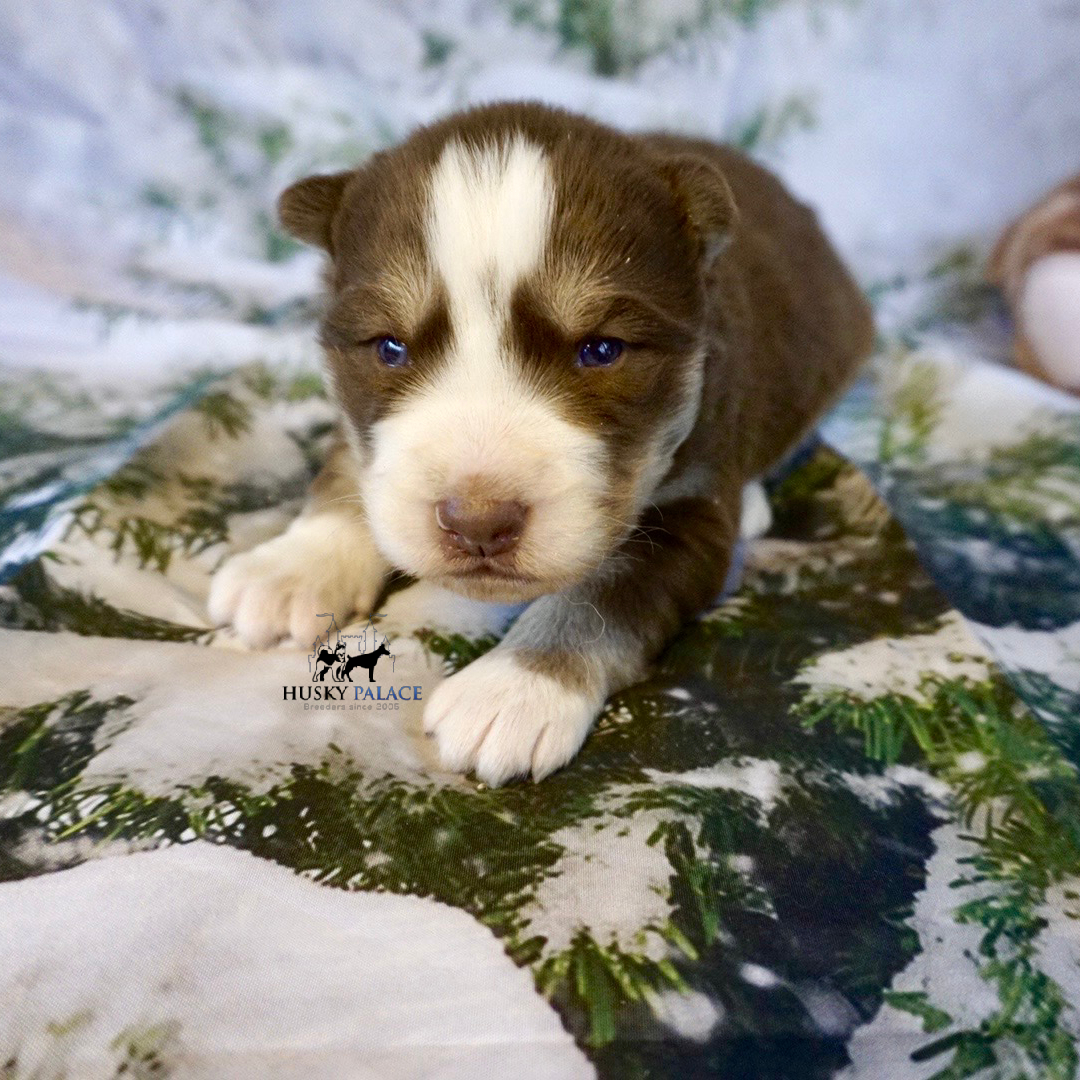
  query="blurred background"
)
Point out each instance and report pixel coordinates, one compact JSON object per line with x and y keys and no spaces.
{"x":143,"y":142}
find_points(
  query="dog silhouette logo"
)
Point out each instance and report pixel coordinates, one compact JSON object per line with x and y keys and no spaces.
{"x":325,"y":659}
{"x":366,"y":660}
{"x":335,"y":660}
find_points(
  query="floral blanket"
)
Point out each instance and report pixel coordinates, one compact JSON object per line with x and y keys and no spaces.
{"x":835,"y":834}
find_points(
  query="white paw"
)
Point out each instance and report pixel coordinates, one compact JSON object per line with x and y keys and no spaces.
{"x":424,"y":606}
{"x":756,"y":519}
{"x":321,"y":564}
{"x":502,"y":720}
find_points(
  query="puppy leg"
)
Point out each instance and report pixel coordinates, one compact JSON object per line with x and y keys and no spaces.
{"x":325,"y":561}
{"x":527,"y":705}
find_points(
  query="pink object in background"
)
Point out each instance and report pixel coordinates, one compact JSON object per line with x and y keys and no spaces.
{"x":1036,"y":264}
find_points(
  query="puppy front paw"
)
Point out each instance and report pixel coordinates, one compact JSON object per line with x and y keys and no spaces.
{"x":321,"y":563}
{"x":501,"y":719}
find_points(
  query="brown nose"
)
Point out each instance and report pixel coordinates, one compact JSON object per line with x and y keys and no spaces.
{"x":480,"y":526}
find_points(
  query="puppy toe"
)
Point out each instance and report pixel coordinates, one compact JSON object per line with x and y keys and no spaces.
{"x":459,"y":738}
{"x":260,"y":616}
{"x":557,"y":744}
{"x":505,"y":752}
{"x":304,"y":610}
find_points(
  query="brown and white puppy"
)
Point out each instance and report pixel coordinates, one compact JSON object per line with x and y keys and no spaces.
{"x":1036,"y":264}
{"x":560,"y":352}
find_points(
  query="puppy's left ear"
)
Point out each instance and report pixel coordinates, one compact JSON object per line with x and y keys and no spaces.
{"x":706,"y":200}
{"x":306,"y":209}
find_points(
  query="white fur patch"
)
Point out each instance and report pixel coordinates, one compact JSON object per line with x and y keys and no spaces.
{"x":1050,"y":315}
{"x":321,"y":563}
{"x":501,"y":720}
{"x":756,"y":518}
{"x":425,"y":606}
{"x":668,"y":439}
{"x":478,"y":420}
{"x":489,"y":217}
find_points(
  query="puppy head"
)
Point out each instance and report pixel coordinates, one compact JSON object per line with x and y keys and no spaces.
{"x":514,"y":333}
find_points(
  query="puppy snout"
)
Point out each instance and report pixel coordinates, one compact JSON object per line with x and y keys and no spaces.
{"x":480,"y":527}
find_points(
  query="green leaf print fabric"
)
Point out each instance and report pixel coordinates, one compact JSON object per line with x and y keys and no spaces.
{"x":835,"y":833}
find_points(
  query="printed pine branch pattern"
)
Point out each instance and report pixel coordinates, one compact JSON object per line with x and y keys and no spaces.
{"x":734,"y":867}
{"x":835,"y":834}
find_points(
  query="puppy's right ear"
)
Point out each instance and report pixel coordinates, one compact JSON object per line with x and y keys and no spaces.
{"x":306,"y":209}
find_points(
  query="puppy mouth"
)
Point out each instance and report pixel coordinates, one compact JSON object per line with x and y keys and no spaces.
{"x":490,"y":570}
{"x":487,"y":570}
{"x":490,"y":580}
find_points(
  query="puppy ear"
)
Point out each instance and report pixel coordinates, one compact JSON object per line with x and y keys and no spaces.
{"x":706,"y":200}
{"x":306,"y":209}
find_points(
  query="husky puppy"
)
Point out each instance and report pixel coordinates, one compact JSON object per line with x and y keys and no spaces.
{"x":560,"y":352}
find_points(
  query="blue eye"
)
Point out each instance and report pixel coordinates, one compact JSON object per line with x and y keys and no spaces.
{"x":599,"y":352}
{"x":392,"y":353}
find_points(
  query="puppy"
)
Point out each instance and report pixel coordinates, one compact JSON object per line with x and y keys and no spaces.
{"x":1036,"y":264}
{"x":559,"y":353}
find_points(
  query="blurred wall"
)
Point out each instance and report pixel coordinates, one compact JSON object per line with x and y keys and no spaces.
{"x":155,"y":134}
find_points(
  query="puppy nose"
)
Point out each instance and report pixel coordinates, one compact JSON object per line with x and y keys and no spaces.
{"x":480,"y":526}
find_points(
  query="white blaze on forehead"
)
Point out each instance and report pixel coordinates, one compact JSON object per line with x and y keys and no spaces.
{"x":489,"y":215}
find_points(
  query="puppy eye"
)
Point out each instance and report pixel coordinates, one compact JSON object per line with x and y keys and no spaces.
{"x":392,"y":353}
{"x":599,"y":352}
